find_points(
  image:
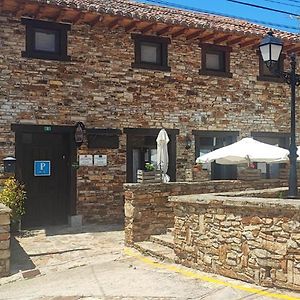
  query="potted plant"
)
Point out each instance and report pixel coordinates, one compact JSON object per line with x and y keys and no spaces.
{"x":13,"y":196}
{"x":149,"y":174}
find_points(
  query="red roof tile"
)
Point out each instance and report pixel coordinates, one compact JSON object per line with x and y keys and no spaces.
{"x":170,"y":16}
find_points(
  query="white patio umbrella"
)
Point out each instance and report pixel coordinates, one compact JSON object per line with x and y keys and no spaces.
{"x":245,"y":151}
{"x":162,"y":141}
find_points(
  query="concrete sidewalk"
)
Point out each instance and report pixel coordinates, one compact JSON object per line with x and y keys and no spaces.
{"x":94,"y":265}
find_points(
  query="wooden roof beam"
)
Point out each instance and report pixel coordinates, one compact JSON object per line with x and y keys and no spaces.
{"x":235,"y":41}
{"x":248,"y":42}
{"x":20,"y":10}
{"x":179,"y":32}
{"x":207,"y":37}
{"x":147,"y":28}
{"x":114,"y":23}
{"x":164,"y":30}
{"x":78,"y":18}
{"x":95,"y":21}
{"x":194,"y":35}
{"x":131,"y":26}
{"x":294,"y":50}
{"x":288,"y":47}
{"x":221,"y":39}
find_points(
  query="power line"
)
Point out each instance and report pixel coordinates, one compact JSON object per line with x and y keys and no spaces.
{"x":283,"y":3}
{"x":181,"y":6}
{"x":264,"y":7}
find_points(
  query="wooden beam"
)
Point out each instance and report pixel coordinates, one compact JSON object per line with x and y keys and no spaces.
{"x":294,"y":50}
{"x":164,"y":30}
{"x":207,"y":37}
{"x":221,"y":39}
{"x":95,"y":21}
{"x":148,"y":28}
{"x":131,"y":26}
{"x":248,"y":42}
{"x":288,"y":47}
{"x":179,"y":32}
{"x":194,"y":35}
{"x":20,"y":11}
{"x":78,"y":18}
{"x":235,"y":41}
{"x":114,"y":23}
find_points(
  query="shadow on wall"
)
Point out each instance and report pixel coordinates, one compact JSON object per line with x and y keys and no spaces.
{"x":20,"y":260}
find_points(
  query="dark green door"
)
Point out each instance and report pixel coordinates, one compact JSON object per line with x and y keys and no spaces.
{"x":47,"y":196}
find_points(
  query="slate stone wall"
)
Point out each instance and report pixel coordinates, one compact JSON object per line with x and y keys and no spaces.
{"x":148,"y":211}
{"x":100,"y":88}
{"x":252,"y":239}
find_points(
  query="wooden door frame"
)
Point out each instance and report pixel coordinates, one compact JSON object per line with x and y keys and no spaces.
{"x":56,"y":129}
{"x":150,"y":132}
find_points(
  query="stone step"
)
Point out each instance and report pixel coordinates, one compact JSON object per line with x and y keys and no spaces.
{"x":156,"y":250}
{"x":163,"y":239}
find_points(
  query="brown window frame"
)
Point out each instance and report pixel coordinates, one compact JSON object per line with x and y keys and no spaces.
{"x":162,"y":42}
{"x":216,"y":49}
{"x":270,"y":77}
{"x":61,"y":39}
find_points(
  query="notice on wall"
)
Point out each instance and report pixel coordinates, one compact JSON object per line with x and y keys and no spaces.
{"x":100,"y":160}
{"x":86,"y":160}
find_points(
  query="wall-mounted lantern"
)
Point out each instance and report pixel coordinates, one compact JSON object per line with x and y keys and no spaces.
{"x":9,"y":164}
{"x":79,"y":133}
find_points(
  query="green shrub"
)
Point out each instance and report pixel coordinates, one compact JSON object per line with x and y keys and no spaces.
{"x":13,"y":196}
{"x":149,"y":167}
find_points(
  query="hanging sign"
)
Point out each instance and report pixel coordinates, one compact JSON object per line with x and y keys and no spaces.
{"x":79,"y":133}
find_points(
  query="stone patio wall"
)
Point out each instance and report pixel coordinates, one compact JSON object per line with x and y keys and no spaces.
{"x":4,"y":240}
{"x":249,"y":238}
{"x":148,"y":212}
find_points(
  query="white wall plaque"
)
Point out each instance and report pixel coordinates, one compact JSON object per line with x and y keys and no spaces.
{"x":100,"y":160}
{"x":85,"y":160}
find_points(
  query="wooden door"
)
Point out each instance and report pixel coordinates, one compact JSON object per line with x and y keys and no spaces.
{"x":47,"y":195}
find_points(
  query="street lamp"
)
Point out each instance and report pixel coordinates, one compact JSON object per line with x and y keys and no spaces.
{"x":270,"y":48}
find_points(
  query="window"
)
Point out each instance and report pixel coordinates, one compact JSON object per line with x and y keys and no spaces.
{"x":151,"y":52}
{"x":46,"y":40}
{"x":215,"y":60}
{"x":207,"y":141}
{"x":273,"y":138}
{"x":265,"y":74}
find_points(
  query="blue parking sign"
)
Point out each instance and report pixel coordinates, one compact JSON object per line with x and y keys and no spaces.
{"x":42,"y":168}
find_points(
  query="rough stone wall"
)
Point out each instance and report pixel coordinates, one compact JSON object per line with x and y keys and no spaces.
{"x":4,"y":240}
{"x":148,"y":211}
{"x":100,"y":88}
{"x":253,"y":240}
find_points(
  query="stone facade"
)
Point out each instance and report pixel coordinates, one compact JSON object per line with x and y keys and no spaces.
{"x":100,"y":88}
{"x":148,"y":211}
{"x":252,"y":239}
{"x":4,"y":240}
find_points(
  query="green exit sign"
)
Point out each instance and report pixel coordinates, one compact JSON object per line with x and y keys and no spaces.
{"x":47,"y":128}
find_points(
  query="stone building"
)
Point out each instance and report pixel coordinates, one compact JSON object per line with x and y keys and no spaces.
{"x":121,"y":71}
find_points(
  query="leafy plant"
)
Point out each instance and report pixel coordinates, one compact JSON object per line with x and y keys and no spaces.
{"x":13,"y":196}
{"x":149,"y":167}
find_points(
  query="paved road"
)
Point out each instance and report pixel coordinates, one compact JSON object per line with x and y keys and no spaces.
{"x":110,"y":272}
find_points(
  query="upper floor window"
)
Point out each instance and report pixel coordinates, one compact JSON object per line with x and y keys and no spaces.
{"x":46,"y":40}
{"x":215,"y":60}
{"x":151,"y":52}
{"x":266,"y":75}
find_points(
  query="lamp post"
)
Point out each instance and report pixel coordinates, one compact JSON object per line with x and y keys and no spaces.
{"x":270,"y":48}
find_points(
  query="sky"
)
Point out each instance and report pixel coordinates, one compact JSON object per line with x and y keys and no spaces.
{"x":284,"y":21}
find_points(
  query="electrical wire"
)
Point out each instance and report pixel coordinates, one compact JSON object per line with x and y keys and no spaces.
{"x":283,"y":3}
{"x":264,"y":7}
{"x":185,"y":7}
